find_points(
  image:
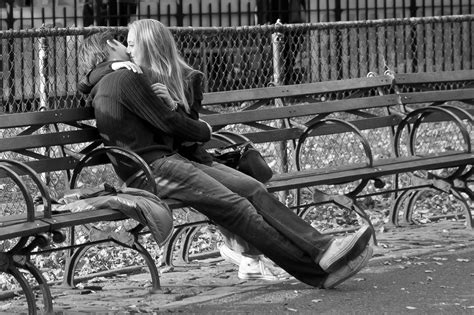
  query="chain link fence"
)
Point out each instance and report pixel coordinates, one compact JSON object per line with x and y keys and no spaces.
{"x":40,"y":67}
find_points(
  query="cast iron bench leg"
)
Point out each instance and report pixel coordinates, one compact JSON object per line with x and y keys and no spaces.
{"x":72,"y":260}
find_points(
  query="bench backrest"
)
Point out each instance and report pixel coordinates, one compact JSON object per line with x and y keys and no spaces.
{"x":30,"y":135}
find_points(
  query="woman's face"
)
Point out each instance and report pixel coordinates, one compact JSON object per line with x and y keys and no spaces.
{"x":132,"y":49}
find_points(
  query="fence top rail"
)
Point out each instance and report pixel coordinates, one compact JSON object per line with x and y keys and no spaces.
{"x":260,"y":29}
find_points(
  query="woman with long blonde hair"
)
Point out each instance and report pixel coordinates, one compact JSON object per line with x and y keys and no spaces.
{"x":151,"y":45}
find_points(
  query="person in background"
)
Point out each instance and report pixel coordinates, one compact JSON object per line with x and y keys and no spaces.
{"x":131,"y":115}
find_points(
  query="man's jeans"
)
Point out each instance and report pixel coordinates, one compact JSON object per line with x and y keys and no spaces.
{"x":243,"y":206}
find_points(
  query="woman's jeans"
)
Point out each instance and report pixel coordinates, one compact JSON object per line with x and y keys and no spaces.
{"x":243,"y":206}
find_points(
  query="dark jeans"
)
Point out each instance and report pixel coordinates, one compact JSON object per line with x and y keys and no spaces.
{"x":243,"y":206}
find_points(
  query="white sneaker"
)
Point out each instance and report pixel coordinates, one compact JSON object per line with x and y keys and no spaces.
{"x":251,"y":269}
{"x":230,"y":255}
{"x":275,"y":269}
{"x":255,"y":269}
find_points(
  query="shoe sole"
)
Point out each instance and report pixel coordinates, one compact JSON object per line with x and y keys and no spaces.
{"x":352,"y":250}
{"x":361,"y":265}
{"x":256,"y":276}
{"x":228,"y":256}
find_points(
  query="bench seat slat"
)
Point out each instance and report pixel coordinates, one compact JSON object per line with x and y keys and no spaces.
{"x":381,"y":168}
{"x":23,"y":229}
{"x":68,"y":219}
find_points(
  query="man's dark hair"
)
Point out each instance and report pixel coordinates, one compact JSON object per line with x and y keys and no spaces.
{"x":94,"y":50}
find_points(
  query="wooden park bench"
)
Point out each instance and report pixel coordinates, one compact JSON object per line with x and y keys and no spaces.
{"x":290,"y":118}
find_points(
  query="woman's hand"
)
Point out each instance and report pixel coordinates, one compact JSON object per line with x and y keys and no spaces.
{"x":126,"y":65}
{"x":161,"y":90}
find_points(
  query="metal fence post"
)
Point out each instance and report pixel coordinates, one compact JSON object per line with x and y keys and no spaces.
{"x":277,"y":45}
{"x":43,"y":72}
{"x":44,"y":90}
{"x":278,"y":77}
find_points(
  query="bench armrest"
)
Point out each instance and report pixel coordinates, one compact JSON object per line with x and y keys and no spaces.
{"x":142,"y":166}
{"x":12,"y":167}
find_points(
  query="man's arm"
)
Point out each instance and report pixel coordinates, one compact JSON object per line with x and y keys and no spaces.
{"x":139,"y":98}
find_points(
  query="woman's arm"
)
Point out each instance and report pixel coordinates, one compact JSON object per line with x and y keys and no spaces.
{"x":139,"y":98}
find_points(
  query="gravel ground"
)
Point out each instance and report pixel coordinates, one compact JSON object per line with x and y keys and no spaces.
{"x":213,"y":286}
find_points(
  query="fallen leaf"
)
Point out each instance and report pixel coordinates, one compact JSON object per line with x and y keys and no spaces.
{"x":316,"y":300}
{"x":292,"y":309}
{"x":440,"y":258}
{"x":358,"y":279}
{"x":462,"y":260}
{"x":411,"y":307}
{"x":5,"y":306}
{"x":428,"y":271}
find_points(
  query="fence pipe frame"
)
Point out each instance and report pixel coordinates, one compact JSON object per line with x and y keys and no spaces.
{"x":8,"y":39}
{"x":260,"y":29}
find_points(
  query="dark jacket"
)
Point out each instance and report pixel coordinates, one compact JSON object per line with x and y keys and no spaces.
{"x":130,"y":115}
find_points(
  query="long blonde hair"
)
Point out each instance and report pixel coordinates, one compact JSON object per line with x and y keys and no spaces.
{"x":162,"y":62}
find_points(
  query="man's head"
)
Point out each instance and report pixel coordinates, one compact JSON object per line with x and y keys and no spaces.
{"x":100,"y":47}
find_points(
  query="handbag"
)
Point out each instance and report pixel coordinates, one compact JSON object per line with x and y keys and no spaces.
{"x":242,"y":156}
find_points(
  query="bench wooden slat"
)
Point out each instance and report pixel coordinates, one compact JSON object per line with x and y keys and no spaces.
{"x":53,"y":164}
{"x":282,"y":91}
{"x":294,"y":133}
{"x":46,"y":117}
{"x":300,"y":110}
{"x":68,"y":219}
{"x":49,"y":139}
{"x":434,"y":77}
{"x":23,"y":229}
{"x":433,"y":96}
{"x":381,"y":168}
